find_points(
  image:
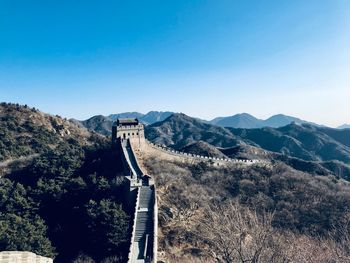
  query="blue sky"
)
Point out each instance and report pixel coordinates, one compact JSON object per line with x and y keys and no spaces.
{"x":203,"y":58}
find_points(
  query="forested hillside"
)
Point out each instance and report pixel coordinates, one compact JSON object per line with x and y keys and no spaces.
{"x":66,"y":200}
{"x":25,"y":131}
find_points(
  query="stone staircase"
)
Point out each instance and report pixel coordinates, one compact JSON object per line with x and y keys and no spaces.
{"x":143,"y":226}
{"x":145,"y":196}
{"x":143,"y":248}
{"x":144,"y":222}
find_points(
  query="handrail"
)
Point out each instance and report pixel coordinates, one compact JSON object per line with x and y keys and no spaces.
{"x":134,"y":226}
{"x":155,"y":226}
{"x":146,"y":245}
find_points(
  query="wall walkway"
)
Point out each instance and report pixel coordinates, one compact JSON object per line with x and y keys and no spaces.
{"x":143,"y":247}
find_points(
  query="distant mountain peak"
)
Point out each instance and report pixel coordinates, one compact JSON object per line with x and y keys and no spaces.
{"x":241,"y":120}
{"x":344,"y":126}
{"x":248,"y":121}
{"x":180,"y":130}
{"x":180,"y":116}
{"x":102,"y":124}
{"x":244,"y":114}
{"x":132,"y":114}
{"x":280,"y":120}
{"x":155,"y":116}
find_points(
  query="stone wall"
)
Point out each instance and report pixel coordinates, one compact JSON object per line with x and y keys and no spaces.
{"x":22,"y":257}
{"x":149,"y":148}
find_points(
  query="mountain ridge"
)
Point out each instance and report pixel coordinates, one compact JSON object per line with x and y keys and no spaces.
{"x":248,"y":121}
{"x":344,"y":126}
{"x":103,"y":124}
{"x":179,"y":130}
{"x":319,"y":149}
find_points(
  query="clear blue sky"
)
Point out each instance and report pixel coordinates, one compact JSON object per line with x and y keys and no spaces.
{"x":203,"y":58}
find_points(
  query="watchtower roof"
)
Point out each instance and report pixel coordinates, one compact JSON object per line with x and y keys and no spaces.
{"x":127,"y":121}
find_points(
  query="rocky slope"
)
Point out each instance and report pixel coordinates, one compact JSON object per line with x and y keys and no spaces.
{"x":26,"y":131}
{"x":100,"y":124}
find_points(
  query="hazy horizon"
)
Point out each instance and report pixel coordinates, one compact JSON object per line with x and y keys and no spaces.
{"x":206,"y":59}
{"x":190,"y":115}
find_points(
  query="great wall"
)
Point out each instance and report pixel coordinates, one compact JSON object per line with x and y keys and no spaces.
{"x":128,"y":138}
{"x":128,"y":135}
{"x":143,"y":241}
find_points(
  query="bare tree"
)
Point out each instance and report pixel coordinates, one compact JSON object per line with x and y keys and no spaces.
{"x":82,"y":258}
{"x":341,"y":239}
{"x":236,"y":234}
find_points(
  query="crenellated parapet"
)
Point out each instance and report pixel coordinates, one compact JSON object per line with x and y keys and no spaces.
{"x":198,"y":157}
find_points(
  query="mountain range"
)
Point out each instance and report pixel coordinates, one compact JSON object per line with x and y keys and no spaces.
{"x":304,"y":146}
{"x":247,"y":121}
{"x":103,"y":124}
{"x":304,"y":141}
{"x":179,"y":130}
{"x":294,"y":141}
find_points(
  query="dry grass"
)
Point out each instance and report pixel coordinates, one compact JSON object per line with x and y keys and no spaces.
{"x":193,"y":197}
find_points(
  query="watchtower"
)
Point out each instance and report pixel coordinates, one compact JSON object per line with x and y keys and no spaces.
{"x":127,"y":128}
